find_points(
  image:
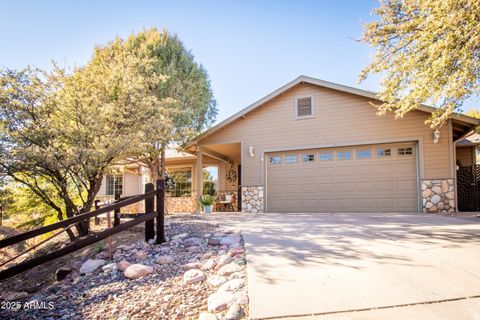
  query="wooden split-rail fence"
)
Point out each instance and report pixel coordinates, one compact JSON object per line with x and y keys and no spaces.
{"x":150,"y":217}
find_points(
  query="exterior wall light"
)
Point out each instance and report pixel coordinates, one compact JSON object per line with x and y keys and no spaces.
{"x":436,"y":136}
{"x":251,"y":151}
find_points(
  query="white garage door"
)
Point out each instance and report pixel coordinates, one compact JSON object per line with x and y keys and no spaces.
{"x":372,"y":178}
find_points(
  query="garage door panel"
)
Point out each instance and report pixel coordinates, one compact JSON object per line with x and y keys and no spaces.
{"x":292,"y":188}
{"x":386,"y":203}
{"x":384,"y":169}
{"x":346,"y":204}
{"x":292,"y":204}
{"x":366,"y":203}
{"x":385,"y":186}
{"x":362,"y":182}
{"x":344,"y":171}
{"x":309,"y":188}
{"x":345,"y":187}
{"x":309,"y":173}
{"x":406,"y":185}
{"x":292,"y":173}
{"x":326,"y":188}
{"x":365,"y":186}
{"x":364,"y":170}
{"x":326,"y":172}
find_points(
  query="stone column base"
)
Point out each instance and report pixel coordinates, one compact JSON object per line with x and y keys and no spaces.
{"x":438,"y":195}
{"x":252,"y":199}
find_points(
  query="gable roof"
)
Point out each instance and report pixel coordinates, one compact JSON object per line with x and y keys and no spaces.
{"x":322,"y":83}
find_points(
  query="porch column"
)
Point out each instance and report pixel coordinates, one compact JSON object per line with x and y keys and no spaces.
{"x":199,"y":177}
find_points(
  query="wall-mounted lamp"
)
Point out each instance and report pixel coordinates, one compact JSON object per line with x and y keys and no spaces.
{"x":251,"y":151}
{"x":436,"y":136}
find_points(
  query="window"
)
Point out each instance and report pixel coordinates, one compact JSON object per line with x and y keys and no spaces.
{"x":364,"y":154}
{"x":210,"y":180}
{"x":179,"y":183}
{"x":384,"y":152}
{"x":292,"y":158}
{"x":275,"y":160}
{"x":344,"y":155}
{"x":405,"y":151}
{"x":304,"y":107}
{"x":114,"y":184}
{"x":326,"y":156}
{"x":308,"y":157}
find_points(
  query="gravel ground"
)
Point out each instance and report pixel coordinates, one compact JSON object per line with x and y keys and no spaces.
{"x":199,"y":273}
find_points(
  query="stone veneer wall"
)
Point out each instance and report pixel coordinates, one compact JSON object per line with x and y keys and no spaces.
{"x":252,"y":199}
{"x":438,"y":195}
{"x":181,"y":204}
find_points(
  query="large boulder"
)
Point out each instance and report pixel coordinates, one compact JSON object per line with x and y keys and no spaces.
{"x":91,"y":265}
{"x":137,"y":270}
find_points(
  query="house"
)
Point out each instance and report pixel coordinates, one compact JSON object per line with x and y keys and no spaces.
{"x":316,"y":146}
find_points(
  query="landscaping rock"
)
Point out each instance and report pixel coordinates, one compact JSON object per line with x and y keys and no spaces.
{"x":12,"y":296}
{"x":193,"y":275}
{"x":137,"y":270}
{"x":240,"y":262}
{"x":219,"y":301}
{"x":216,"y":280}
{"x":140,"y":255}
{"x":190,"y":242}
{"x":223,"y":260}
{"x":207,"y":316}
{"x":123,"y":265}
{"x":62,"y":273}
{"x":236,"y":250}
{"x":210,"y":264}
{"x":109,"y":267}
{"x":235,"y":312}
{"x":214,"y":241}
{"x":232,"y":285}
{"x":165,"y":260}
{"x":241,"y":297}
{"x":229,"y":269}
{"x":192,"y":265}
{"x":91,"y":265}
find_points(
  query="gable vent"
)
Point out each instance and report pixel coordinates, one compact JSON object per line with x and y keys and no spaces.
{"x":304,"y":107}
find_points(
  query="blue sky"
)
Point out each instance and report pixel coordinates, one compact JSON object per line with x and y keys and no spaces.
{"x":249,"y":48}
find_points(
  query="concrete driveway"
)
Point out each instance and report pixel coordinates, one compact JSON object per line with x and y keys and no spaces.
{"x":362,"y":266}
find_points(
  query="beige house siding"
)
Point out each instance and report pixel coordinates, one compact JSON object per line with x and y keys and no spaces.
{"x":340,"y":119}
{"x":465,"y":156}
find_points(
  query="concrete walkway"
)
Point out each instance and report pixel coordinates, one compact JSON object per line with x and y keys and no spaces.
{"x":343,"y":266}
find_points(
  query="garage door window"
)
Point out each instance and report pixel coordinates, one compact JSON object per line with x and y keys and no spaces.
{"x":384,"y":152}
{"x":309,"y":157}
{"x":292,"y":158}
{"x":344,"y":155}
{"x":405,"y":151}
{"x":275,"y":160}
{"x":364,"y":154}
{"x":326,"y":156}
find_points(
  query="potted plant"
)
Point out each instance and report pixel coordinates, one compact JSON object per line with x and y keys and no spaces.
{"x":207,"y":202}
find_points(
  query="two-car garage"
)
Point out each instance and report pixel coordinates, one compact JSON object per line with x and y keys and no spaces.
{"x":366,"y":178}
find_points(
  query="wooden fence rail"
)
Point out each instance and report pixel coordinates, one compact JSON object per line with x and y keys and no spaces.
{"x":148,"y":217}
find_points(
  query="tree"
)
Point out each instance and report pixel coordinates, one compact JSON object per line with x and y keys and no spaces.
{"x":427,"y":52}
{"x":60,"y":133}
{"x":185,"y":104}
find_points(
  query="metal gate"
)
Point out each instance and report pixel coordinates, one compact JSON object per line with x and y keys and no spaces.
{"x":468,"y":188}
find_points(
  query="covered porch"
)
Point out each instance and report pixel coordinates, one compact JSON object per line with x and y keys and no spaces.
{"x":207,"y":170}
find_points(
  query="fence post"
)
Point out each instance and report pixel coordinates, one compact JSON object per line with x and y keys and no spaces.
{"x":97,"y":206}
{"x":149,"y":207}
{"x":160,"y":211}
{"x":116,"y":213}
